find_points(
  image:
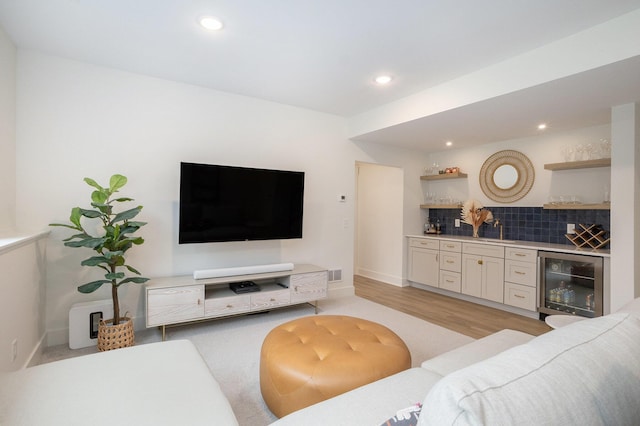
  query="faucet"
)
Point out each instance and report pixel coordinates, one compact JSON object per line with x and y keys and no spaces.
{"x":496,"y":223}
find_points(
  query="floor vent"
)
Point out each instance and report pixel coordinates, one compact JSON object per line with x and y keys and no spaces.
{"x":335,"y":275}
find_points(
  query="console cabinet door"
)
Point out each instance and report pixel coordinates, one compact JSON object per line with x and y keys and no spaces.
{"x":308,"y":287}
{"x":483,"y":277}
{"x":174,"y":304}
{"x":493,"y":279}
{"x":472,"y":275}
{"x":423,"y":266}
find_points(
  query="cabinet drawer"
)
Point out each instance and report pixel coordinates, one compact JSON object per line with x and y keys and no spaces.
{"x":451,"y":261}
{"x":424,"y":243}
{"x":523,"y":255}
{"x":455,"y":246}
{"x":270,"y":299}
{"x":308,"y":287}
{"x":174,"y":304}
{"x":520,"y":272}
{"x":450,"y":281}
{"x":483,"y":249}
{"x":222,"y":306}
{"x":520,"y":296}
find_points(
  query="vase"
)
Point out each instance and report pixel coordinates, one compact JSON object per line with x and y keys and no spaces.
{"x":475,"y":231}
{"x":115,"y":336}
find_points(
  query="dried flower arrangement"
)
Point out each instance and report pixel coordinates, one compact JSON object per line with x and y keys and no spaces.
{"x":474,"y":214}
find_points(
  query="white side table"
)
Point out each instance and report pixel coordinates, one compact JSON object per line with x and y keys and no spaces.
{"x":557,"y":321}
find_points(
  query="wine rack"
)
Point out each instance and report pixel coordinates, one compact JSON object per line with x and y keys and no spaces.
{"x":589,"y":236}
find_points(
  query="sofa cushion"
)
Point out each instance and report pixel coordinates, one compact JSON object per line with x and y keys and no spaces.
{"x":164,"y":383}
{"x":584,"y":373}
{"x":476,"y":351}
{"x":368,"y":405}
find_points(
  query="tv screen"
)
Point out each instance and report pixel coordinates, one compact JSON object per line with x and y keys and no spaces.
{"x":224,"y":203}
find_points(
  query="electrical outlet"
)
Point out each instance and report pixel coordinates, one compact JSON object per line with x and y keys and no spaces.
{"x":456,"y":223}
{"x":571,"y":228}
{"x":14,"y":350}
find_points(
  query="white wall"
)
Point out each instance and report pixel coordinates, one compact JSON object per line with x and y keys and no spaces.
{"x":589,"y":184}
{"x":379,"y":242}
{"x":76,"y":120}
{"x":7,"y":132}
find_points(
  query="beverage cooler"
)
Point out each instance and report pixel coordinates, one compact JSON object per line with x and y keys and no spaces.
{"x":570,"y":284}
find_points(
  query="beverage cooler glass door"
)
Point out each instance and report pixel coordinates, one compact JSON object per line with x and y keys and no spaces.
{"x":570,"y":284}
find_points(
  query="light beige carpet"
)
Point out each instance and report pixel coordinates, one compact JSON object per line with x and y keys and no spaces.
{"x":231,"y":347}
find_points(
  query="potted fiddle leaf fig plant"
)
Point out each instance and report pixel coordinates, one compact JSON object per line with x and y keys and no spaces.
{"x":110,"y":241}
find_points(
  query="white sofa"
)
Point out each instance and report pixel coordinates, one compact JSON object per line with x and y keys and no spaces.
{"x":165,"y":383}
{"x":587,"y":373}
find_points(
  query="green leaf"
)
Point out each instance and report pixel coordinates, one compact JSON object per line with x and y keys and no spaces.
{"x":75,"y":217}
{"x":64,"y":225}
{"x":99,"y":197}
{"x":132,"y":269}
{"x":94,"y":261}
{"x":116,"y":182}
{"x":89,"y":242}
{"x":114,"y":276}
{"x":92,"y":286}
{"x":92,"y":214}
{"x":137,"y":280}
{"x":123,"y":199}
{"x":93,"y":183}
{"x":127,"y":214}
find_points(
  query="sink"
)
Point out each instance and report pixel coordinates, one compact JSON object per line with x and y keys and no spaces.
{"x":496,"y":240}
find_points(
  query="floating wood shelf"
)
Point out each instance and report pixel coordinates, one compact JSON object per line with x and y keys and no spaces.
{"x":593,"y":236}
{"x":574,"y":206}
{"x":587,"y":164}
{"x":440,"y":206}
{"x":444,"y":176}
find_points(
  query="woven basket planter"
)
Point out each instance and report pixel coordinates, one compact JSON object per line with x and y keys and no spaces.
{"x":115,"y":336}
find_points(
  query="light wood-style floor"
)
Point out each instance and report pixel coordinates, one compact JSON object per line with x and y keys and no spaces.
{"x":464,"y":317}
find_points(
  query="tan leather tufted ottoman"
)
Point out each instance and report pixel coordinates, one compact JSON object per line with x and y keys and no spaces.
{"x":315,"y":358}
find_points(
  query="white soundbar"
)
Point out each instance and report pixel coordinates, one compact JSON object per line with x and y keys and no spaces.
{"x":241,"y":270}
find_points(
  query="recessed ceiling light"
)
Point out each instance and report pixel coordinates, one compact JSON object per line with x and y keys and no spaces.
{"x":383,"y":79}
{"x":211,"y":23}
{"x":448,"y":143}
{"x":542,"y":126}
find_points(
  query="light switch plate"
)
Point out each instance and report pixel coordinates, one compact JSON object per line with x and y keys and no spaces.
{"x":571,"y":228}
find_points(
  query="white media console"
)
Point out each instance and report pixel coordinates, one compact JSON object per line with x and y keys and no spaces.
{"x":182,"y":299}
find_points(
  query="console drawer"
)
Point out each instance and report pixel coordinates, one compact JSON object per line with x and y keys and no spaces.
{"x":269,"y":299}
{"x":222,"y":306}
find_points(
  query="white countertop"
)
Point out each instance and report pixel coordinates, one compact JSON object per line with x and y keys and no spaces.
{"x":558,"y":248}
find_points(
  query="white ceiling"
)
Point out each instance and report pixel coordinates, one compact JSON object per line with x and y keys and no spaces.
{"x":323,"y":54}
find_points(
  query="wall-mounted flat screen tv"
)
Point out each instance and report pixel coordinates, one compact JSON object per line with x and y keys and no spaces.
{"x":224,"y":203}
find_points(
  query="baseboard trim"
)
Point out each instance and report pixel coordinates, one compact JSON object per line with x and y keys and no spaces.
{"x":379,"y":276}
